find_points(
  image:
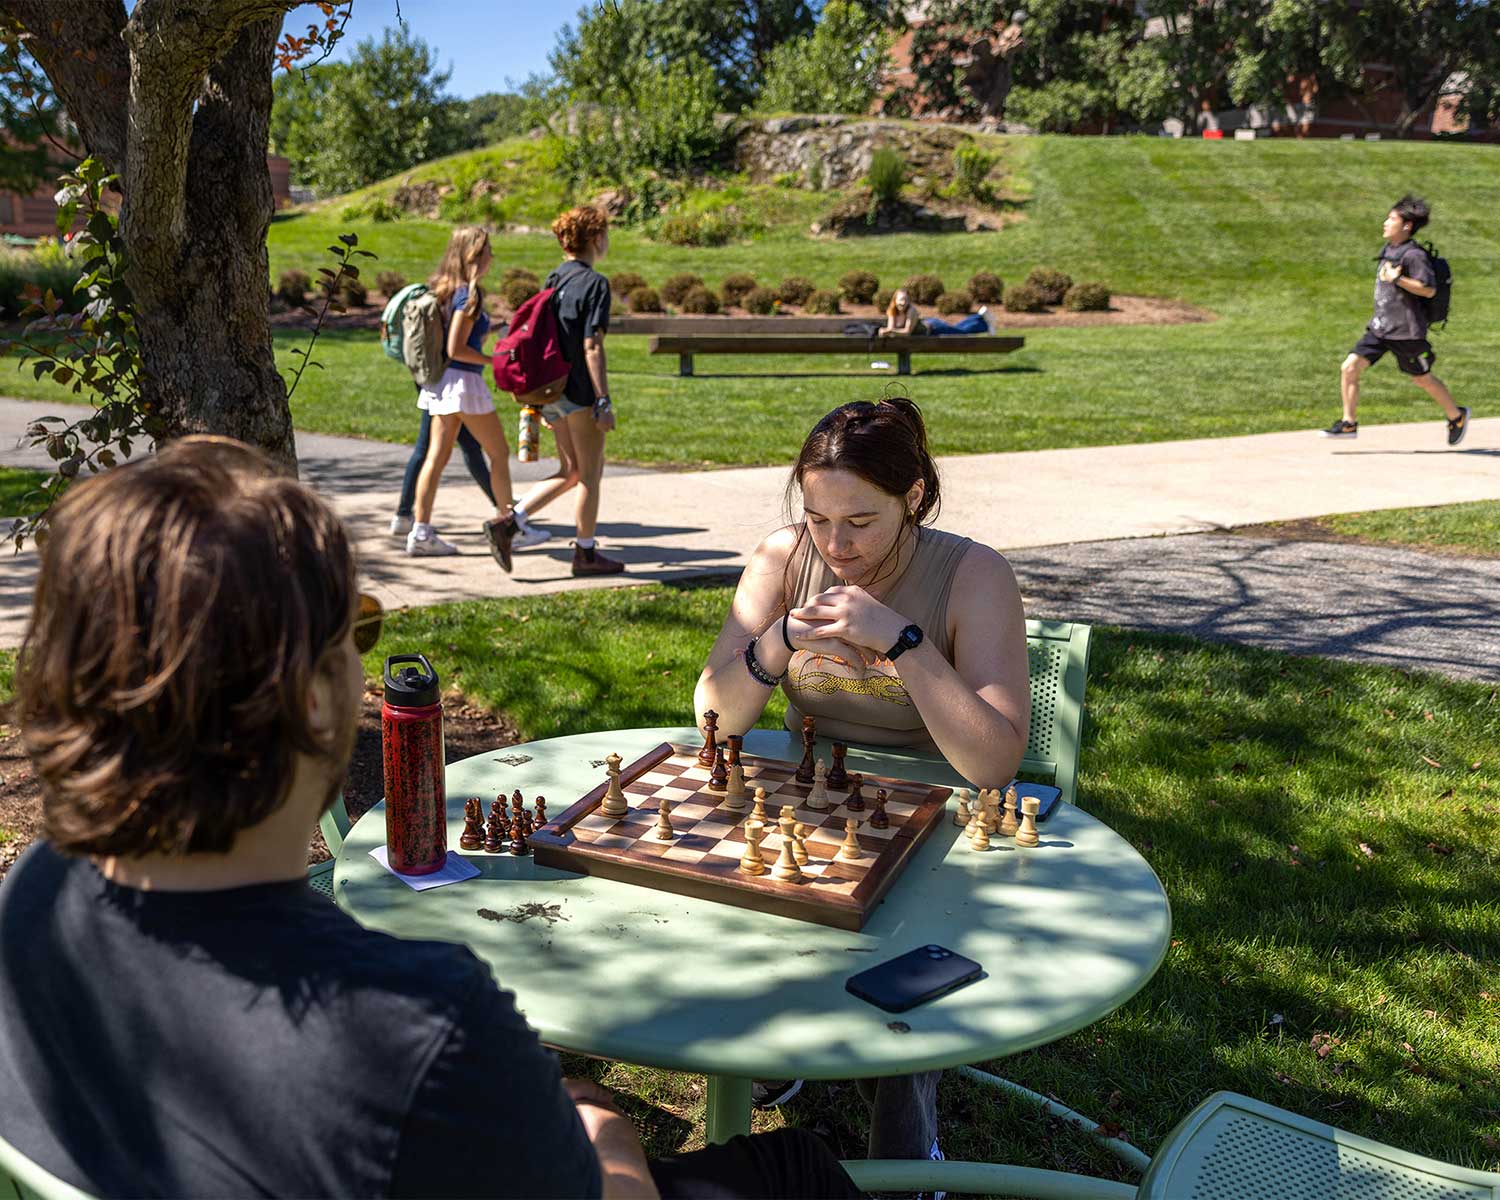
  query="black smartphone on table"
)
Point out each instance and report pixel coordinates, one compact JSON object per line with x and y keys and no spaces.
{"x":915,"y":977}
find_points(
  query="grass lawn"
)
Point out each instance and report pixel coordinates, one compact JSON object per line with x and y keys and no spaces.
{"x":1326,"y":833}
{"x":16,"y":484}
{"x":1277,"y":237}
{"x":1473,"y":528}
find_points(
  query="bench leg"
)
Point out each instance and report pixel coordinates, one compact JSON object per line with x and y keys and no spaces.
{"x":903,"y":363}
{"x":685,"y":365}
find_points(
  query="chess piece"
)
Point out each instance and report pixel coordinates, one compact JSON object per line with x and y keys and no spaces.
{"x":663,"y":830}
{"x":498,"y":828}
{"x":981,"y":836}
{"x":799,"y":843}
{"x":473,"y":834}
{"x":526,"y":825}
{"x":991,"y":815}
{"x":1008,"y":823}
{"x":518,"y":838}
{"x":736,"y":744}
{"x":786,"y":868}
{"x":880,"y":819}
{"x":809,"y":740}
{"x":710,"y":738}
{"x":851,"y":850}
{"x":760,"y":806}
{"x":817,"y":799}
{"x":614,"y":804}
{"x":961,"y":817}
{"x":718,"y":780}
{"x":541,"y":811}
{"x":838,"y":778}
{"x":1027,"y":835}
{"x":975,"y":811}
{"x":752,"y":863}
{"x":734,"y":790}
{"x":787,"y":822}
{"x":517,"y":803}
{"x":856,"y":801}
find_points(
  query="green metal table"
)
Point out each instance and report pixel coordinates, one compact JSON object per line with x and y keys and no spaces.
{"x":1066,"y":933}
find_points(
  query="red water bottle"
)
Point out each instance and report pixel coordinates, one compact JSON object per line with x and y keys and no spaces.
{"x":411,"y":734}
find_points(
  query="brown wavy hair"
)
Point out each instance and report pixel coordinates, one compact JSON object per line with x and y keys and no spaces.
{"x":184,"y":604}
{"x":460,"y":268}
{"x":579,"y":228}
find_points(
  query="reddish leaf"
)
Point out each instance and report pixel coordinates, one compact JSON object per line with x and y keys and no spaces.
{"x":1437,"y":849}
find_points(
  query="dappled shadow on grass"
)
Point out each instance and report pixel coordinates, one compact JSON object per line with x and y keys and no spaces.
{"x":849,"y":374}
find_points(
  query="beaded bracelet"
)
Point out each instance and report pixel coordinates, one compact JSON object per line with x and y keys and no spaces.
{"x":758,"y":672}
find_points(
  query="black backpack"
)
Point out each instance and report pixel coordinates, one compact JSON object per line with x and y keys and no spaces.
{"x":1442,"y":279}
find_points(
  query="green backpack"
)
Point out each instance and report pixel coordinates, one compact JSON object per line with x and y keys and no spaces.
{"x":414,"y":333}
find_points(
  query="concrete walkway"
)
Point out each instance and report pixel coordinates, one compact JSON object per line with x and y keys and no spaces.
{"x":668,"y":524}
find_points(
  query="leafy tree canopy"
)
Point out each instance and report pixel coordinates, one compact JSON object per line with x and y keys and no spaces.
{"x":835,"y":69}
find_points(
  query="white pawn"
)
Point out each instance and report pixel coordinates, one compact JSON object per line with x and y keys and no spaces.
{"x":817,"y":799}
{"x":961,"y":817}
{"x":786,"y":868}
{"x":975,"y":810}
{"x":614,"y":799}
{"x":734,"y":790}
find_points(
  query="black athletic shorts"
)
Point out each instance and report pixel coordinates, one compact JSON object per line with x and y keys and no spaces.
{"x":1414,"y":357}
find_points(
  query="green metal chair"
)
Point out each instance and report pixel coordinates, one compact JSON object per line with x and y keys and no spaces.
{"x":22,"y":1179}
{"x":1059,"y":665}
{"x":334,"y":824}
{"x":1228,"y":1148}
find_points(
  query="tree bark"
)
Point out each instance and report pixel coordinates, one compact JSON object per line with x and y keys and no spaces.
{"x":176,"y":100}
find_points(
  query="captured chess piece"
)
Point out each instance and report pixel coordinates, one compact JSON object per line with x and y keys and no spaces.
{"x":614,"y":804}
{"x":718,"y":780}
{"x":817,"y":799}
{"x":664,"y":831}
{"x":991,"y":816}
{"x":975,"y":811}
{"x":838,"y":778}
{"x":517,"y":803}
{"x":961,"y":814}
{"x":880,"y":819}
{"x":526,"y":824}
{"x":472,"y":837}
{"x":498,"y":828}
{"x":1027,"y":835}
{"x":541,"y":811}
{"x":980,"y":838}
{"x":851,"y":850}
{"x":856,"y":801}
{"x":710,"y":738}
{"x":809,"y":740}
{"x":1008,"y":823}
{"x":518,"y":837}
{"x":752,"y":863}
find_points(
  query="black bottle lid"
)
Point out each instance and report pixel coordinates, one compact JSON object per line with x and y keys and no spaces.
{"x":410,"y":686}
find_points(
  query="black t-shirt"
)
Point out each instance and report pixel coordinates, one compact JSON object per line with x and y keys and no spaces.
{"x":581,"y":299}
{"x":258,"y":1041}
{"x":1400,"y":316}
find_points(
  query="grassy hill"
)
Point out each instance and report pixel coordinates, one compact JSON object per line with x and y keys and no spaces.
{"x":1277,"y":237}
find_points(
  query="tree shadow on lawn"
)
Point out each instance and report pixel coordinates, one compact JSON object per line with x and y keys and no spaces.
{"x":853,"y":374}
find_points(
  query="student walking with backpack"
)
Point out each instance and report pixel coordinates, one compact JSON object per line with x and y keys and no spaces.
{"x":1406,"y":282}
{"x":459,"y":398}
{"x":582,"y":416}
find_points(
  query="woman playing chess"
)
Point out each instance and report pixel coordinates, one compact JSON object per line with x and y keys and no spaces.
{"x":887,"y":631}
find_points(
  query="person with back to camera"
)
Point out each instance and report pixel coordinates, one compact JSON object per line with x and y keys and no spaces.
{"x":887,"y":631}
{"x":584,"y":413}
{"x":462,"y":400}
{"x":901,"y":317}
{"x":180,"y":1013}
{"x":1403,"y":280}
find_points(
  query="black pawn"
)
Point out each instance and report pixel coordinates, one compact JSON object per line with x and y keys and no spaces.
{"x":880,"y":819}
{"x":856,"y":802}
{"x":541,"y":811}
{"x":496,"y":832}
{"x":518,"y":838}
{"x":719,"y":780}
{"x":838,"y":778}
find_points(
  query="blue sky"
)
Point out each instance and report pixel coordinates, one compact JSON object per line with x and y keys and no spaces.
{"x":483,"y":42}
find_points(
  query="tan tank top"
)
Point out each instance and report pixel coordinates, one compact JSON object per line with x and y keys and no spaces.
{"x":870,"y":704}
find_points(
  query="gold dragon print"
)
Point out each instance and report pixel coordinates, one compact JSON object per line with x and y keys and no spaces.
{"x":876,"y":685}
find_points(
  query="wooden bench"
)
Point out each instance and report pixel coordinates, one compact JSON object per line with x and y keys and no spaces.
{"x":686,"y":348}
{"x":716,"y":325}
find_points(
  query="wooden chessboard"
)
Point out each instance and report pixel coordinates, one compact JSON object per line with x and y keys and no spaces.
{"x":703,"y":857}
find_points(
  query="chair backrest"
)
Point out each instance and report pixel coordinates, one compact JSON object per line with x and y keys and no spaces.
{"x":335,"y":825}
{"x":22,"y":1179}
{"x":1058,"y":652}
{"x":1233,"y":1145}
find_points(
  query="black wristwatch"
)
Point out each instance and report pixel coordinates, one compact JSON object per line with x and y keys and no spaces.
{"x":908,"y":639}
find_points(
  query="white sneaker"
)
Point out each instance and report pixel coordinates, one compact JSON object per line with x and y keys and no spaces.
{"x":529,"y":536}
{"x":432,"y":546}
{"x":400,"y":526}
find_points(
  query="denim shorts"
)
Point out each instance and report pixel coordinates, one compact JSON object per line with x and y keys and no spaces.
{"x":563,"y":407}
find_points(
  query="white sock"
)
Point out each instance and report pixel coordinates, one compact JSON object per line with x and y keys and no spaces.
{"x":584,"y":543}
{"x":521,"y":518}
{"x":421,"y":531}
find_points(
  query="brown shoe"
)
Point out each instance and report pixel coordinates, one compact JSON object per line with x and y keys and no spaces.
{"x":499,"y":534}
{"x":591,"y":562}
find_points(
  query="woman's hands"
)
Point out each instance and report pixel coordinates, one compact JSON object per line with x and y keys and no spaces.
{"x":845,"y":618}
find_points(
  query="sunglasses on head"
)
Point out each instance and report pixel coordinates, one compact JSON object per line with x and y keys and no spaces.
{"x":367,"y":623}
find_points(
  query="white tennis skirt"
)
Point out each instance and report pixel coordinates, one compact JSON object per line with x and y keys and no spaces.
{"x":457,"y":392}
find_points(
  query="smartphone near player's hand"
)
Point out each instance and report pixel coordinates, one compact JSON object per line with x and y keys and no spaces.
{"x":914,"y":978}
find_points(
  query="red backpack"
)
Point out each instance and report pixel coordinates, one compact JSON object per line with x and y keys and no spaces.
{"x":528,"y":360}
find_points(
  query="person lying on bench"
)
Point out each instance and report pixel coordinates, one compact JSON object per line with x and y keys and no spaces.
{"x":901,"y":318}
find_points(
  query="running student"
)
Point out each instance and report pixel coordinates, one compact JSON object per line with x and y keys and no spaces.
{"x":1403,"y":280}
